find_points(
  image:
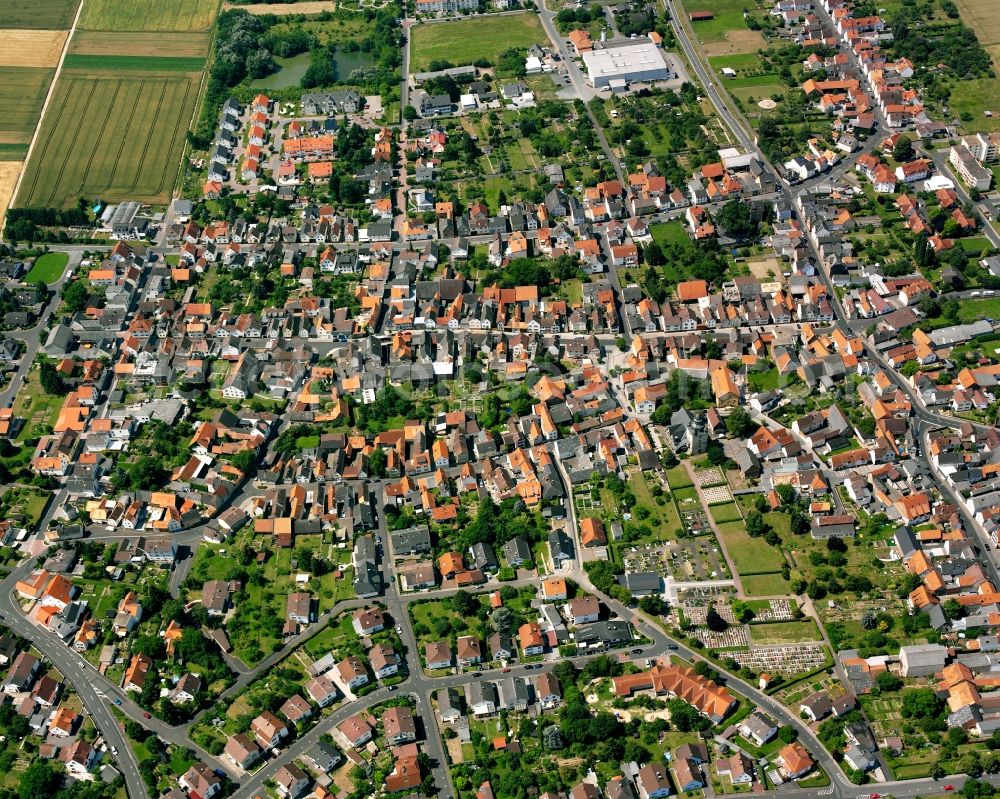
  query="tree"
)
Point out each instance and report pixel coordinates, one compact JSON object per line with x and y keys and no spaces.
{"x":756,"y":526}
{"x":39,"y":781}
{"x":788,"y":734}
{"x":464,"y":603}
{"x":736,"y":220}
{"x":377,"y":462}
{"x":653,"y":254}
{"x":902,"y":150}
{"x":75,"y":296}
{"x":836,"y":544}
{"x":245,"y":460}
{"x":502,"y":620}
{"x":715,"y":622}
{"x":552,"y":737}
{"x":800,"y":524}
{"x":653,"y":605}
{"x":785,"y":493}
{"x":888,"y":682}
{"x":409,"y":113}
{"x":51,"y":380}
{"x":740,"y":425}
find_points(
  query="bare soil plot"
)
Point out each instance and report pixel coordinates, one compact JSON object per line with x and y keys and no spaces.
{"x":737,"y":41}
{"x":154,"y":44}
{"x":982,"y":17}
{"x":9,"y":170}
{"x":306,"y":7}
{"x":764,"y":268}
{"x":30,"y":48}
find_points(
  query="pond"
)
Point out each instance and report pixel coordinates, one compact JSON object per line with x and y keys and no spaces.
{"x":292,"y":69}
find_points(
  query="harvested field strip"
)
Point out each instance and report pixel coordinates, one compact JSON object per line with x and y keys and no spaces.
{"x":30,"y":48}
{"x":304,"y":7}
{"x":159,"y":44}
{"x":125,"y":63}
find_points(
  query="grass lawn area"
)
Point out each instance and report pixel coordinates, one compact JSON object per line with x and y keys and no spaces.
{"x":689,"y":494}
{"x":751,"y":555}
{"x":971,"y":310}
{"x":975,"y":244}
{"x":785,"y":632}
{"x":727,"y":512}
{"x":664,"y":519}
{"x":818,"y":779}
{"x":975,"y":96}
{"x":736,"y":61}
{"x":669,"y":233}
{"x":766,"y":585}
{"x":763,"y":381}
{"x":678,"y":478}
{"x":715,"y":29}
{"x":47,"y":268}
{"x":466,"y":40}
{"x":337,"y":632}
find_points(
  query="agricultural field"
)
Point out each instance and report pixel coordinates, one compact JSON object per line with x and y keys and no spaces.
{"x":132,"y":63}
{"x":129,"y":150}
{"x":728,"y":16}
{"x":465,"y":40}
{"x":9,"y":170}
{"x":22,"y":92}
{"x":38,"y":14}
{"x":150,"y":44}
{"x":982,"y":17}
{"x":127,"y":15}
{"x":30,"y":48}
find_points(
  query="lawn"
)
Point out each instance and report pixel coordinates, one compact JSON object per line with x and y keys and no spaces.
{"x":678,"y":477}
{"x":727,"y":512}
{"x":466,"y":40}
{"x":763,"y":381}
{"x":735,"y":61}
{"x":751,"y":555}
{"x":47,"y":268}
{"x":971,"y":310}
{"x":973,"y":96}
{"x":22,"y":92}
{"x":663,"y":520}
{"x":715,"y":29}
{"x":785,"y":632}
{"x":38,"y":14}
{"x":38,"y":409}
{"x":129,"y":148}
{"x":669,"y":233}
{"x":128,"y":15}
{"x":766,"y":585}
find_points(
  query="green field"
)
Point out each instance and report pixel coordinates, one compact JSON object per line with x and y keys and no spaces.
{"x":669,"y":233}
{"x":48,"y":268}
{"x":38,"y":14}
{"x":785,"y":632}
{"x":132,"y":63}
{"x":974,"y":96}
{"x":113,"y":138}
{"x":766,"y":585}
{"x":465,"y":40}
{"x":736,"y":61}
{"x":715,"y":29}
{"x":725,"y":512}
{"x":130,"y":15}
{"x":751,"y":555}
{"x":971,"y":310}
{"x":678,"y":477}
{"x":22,"y":92}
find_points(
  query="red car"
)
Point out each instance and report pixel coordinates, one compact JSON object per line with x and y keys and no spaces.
{"x":506,"y":670}
{"x":949,"y":787}
{"x":146,"y":716}
{"x":874,"y":796}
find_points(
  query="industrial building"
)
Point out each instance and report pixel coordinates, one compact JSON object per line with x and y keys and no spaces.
{"x":627,"y":61}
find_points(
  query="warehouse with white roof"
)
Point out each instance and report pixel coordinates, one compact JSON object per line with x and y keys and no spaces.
{"x":631,"y":60}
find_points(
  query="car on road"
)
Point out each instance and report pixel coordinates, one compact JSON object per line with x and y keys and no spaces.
{"x":637,"y":651}
{"x":989,"y":293}
{"x":949,"y":787}
{"x":146,"y":716}
{"x":399,"y":629}
{"x":114,"y":751}
{"x":478,"y":675}
{"x":506,"y":670}
{"x":118,"y":701}
{"x":393,"y":687}
{"x":672,"y":646}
